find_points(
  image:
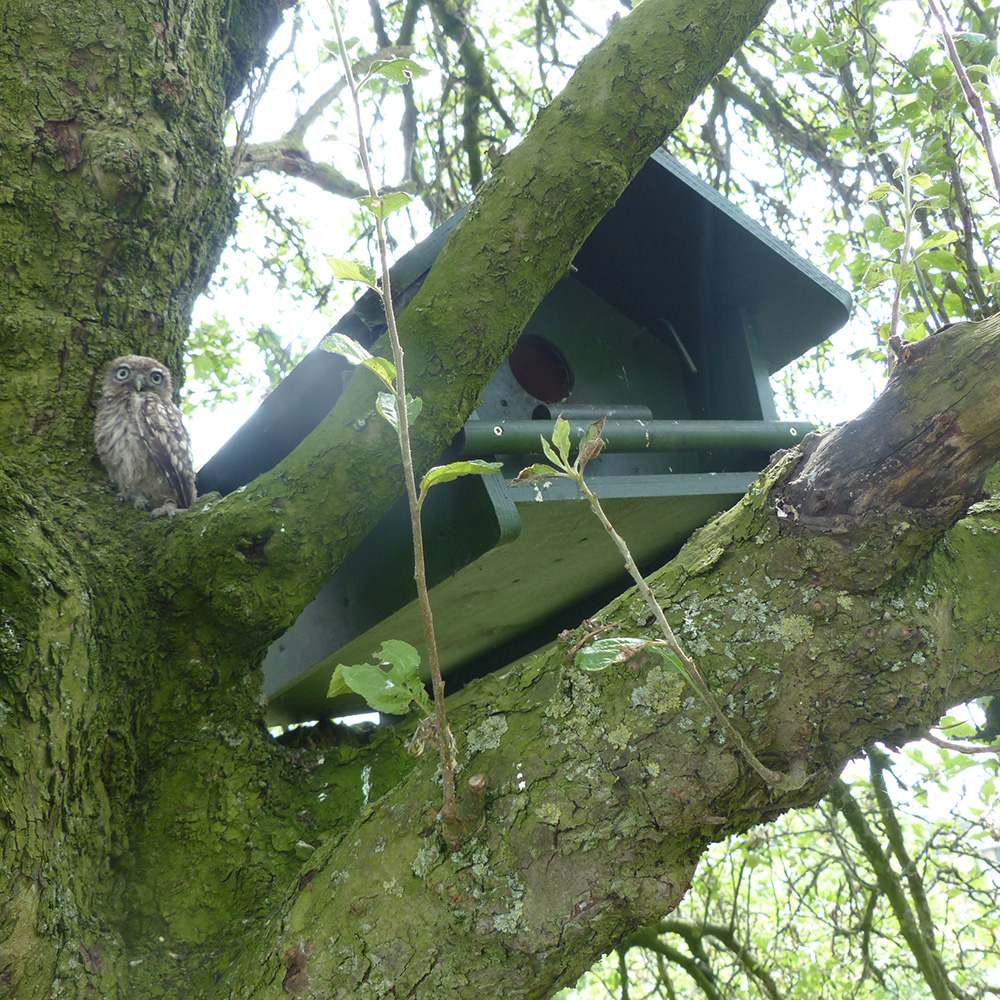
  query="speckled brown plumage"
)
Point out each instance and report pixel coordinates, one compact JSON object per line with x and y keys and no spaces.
{"x":140,"y":436}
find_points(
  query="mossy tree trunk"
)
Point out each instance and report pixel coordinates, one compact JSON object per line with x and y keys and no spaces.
{"x":154,"y":841}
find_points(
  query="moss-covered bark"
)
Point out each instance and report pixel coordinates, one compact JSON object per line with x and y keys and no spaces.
{"x":153,"y":838}
{"x":115,"y":201}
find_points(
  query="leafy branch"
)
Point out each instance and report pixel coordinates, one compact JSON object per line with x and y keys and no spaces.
{"x":289,"y":155}
{"x":903,"y":270}
{"x":970,"y":92}
{"x":612,"y":650}
{"x":396,"y":689}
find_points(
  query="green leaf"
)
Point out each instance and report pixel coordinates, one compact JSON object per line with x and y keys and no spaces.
{"x":874,"y":277}
{"x":393,"y":690}
{"x":878,"y":192}
{"x":349,"y":270}
{"x":535,"y":473}
{"x":399,"y":70}
{"x":835,"y":55}
{"x":602,"y":653}
{"x":401,"y":655}
{"x":382,"y":206}
{"x":560,"y":438}
{"x":454,"y":470}
{"x":943,"y":260}
{"x":936,"y":240}
{"x":550,"y":453}
{"x":592,"y":444}
{"x":672,"y":664}
{"x":385,"y":403}
{"x":873,"y":224}
{"x":382,"y":367}
{"x":338,"y":686}
{"x":917,"y":63}
{"x":835,"y":243}
{"x":338,"y":343}
{"x":890,"y":239}
{"x":972,"y":39}
{"x":594,"y":431}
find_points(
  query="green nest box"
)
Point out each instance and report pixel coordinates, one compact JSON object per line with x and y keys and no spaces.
{"x":678,"y":310}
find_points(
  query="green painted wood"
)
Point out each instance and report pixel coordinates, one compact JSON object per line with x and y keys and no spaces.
{"x":676,"y":312}
{"x":561,"y":556}
{"x":520,"y":437}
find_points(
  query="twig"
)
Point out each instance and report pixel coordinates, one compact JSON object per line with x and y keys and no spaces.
{"x":904,"y":254}
{"x":289,"y":155}
{"x":238,"y":151}
{"x":971,"y":94}
{"x":454,"y":828}
{"x":592,"y":633}
{"x":961,"y":747}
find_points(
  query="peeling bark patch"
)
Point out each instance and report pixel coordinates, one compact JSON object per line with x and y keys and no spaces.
{"x":253,"y":549}
{"x":307,"y":878}
{"x":93,"y":958}
{"x":66,"y":136}
{"x":296,"y":979}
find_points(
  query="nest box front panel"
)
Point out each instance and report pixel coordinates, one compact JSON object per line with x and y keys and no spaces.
{"x":582,"y":357}
{"x":676,"y":313}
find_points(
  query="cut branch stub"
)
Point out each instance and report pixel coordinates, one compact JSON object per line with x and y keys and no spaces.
{"x":896,"y":477}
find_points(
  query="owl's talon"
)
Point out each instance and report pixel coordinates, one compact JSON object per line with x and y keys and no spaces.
{"x":167,"y":510}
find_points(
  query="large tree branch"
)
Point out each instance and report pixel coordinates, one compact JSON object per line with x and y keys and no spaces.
{"x":275,"y":543}
{"x":917,"y":459}
{"x":821,"y":626}
{"x":283,"y":156}
{"x":813,"y":656}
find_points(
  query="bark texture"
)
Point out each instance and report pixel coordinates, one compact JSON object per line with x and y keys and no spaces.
{"x":154,"y":840}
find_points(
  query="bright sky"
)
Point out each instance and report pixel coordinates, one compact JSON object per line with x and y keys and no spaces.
{"x":300,"y":321}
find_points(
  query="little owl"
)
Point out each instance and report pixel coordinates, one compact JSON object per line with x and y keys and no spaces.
{"x":141,"y":439}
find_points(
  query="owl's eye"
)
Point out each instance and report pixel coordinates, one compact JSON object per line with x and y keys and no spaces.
{"x":156,"y":377}
{"x":122,"y":373}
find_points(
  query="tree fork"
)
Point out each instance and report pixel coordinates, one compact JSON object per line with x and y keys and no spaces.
{"x":160,"y":840}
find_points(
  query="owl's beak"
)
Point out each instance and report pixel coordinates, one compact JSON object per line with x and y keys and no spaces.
{"x":139,"y":380}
